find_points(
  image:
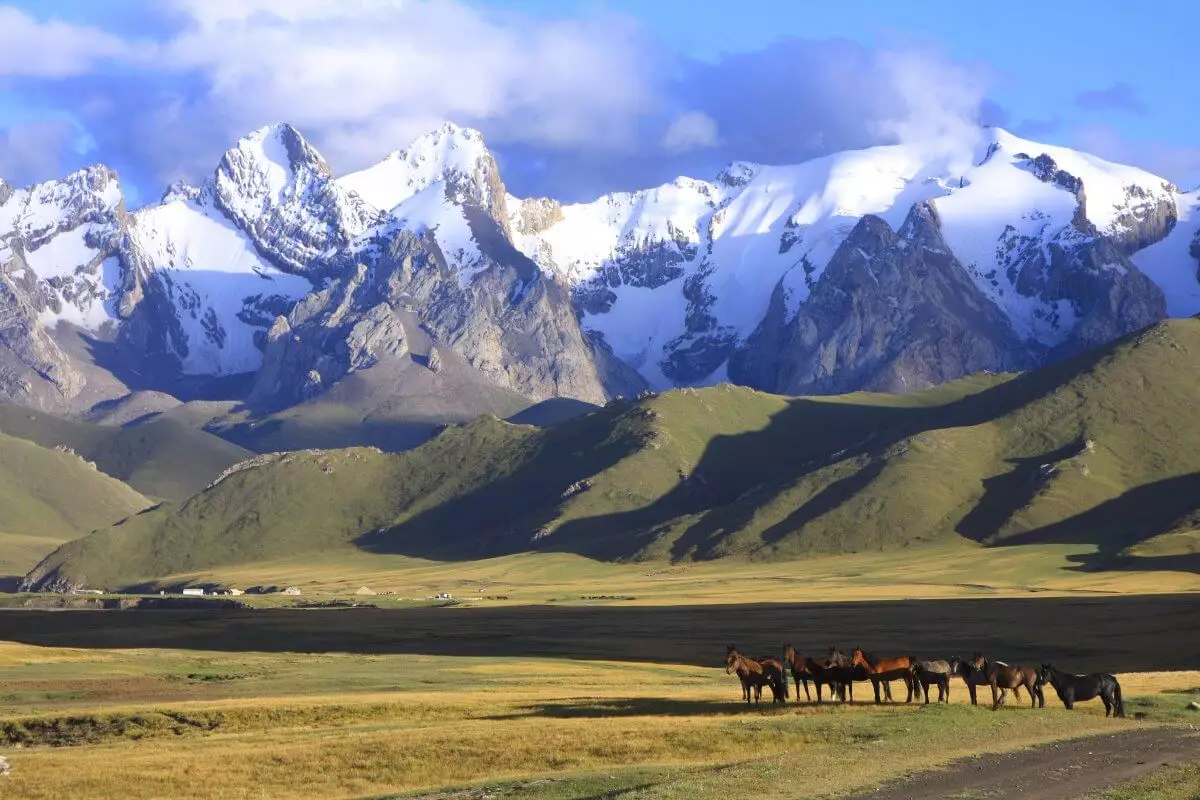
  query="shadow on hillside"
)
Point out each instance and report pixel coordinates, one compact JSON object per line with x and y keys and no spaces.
{"x":734,"y":475}
{"x":1133,"y":517}
{"x":734,"y":478}
{"x":162,"y":374}
{"x":1007,"y":493}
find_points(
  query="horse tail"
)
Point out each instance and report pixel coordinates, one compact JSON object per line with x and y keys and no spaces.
{"x":1119,"y":706}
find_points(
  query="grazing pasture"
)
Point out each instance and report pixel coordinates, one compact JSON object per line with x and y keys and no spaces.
{"x":536,"y":702}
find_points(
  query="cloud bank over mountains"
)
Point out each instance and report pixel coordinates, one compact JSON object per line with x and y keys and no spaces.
{"x":573,"y":107}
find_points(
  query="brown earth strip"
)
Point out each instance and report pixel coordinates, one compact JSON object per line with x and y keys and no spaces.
{"x":1057,"y":771}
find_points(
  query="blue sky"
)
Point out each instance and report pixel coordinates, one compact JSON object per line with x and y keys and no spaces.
{"x":577,"y":98}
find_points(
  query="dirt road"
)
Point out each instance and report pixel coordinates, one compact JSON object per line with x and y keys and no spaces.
{"x":1059,"y":771}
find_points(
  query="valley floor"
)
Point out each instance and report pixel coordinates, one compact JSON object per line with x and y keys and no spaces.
{"x":956,"y":569}
{"x":539,"y":701}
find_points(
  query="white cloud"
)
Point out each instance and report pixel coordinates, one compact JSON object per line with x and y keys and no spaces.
{"x":53,"y":49}
{"x":691,"y":131}
{"x":941,"y":104}
{"x":364,"y":78}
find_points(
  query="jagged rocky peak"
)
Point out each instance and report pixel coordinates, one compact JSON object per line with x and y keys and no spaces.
{"x":268,"y":161}
{"x":737,"y":174}
{"x":454,"y":156}
{"x":277,"y":188}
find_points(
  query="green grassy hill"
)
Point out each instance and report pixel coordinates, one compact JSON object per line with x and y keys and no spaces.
{"x":160,"y":457}
{"x":49,"y":496}
{"x":1100,"y":449}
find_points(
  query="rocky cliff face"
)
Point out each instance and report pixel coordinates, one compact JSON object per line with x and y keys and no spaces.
{"x":870,"y":269}
{"x":58,"y":242}
{"x":894,"y":312}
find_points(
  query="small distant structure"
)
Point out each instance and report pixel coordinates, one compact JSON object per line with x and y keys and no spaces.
{"x":293,"y":590}
{"x":5,"y":768}
{"x":365,"y":591}
{"x":194,"y":592}
{"x":445,"y":596}
{"x":237,"y":592}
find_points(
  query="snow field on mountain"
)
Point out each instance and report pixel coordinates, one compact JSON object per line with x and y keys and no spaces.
{"x":209,"y":268}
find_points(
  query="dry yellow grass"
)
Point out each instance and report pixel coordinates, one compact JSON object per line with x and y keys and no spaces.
{"x":253,"y":725}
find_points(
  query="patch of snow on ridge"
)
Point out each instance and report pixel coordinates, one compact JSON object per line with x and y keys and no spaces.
{"x":1170,"y":263}
{"x":431,"y":210}
{"x":1006,"y":208}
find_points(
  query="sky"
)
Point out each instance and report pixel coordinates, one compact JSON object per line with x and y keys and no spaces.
{"x":578,"y":98}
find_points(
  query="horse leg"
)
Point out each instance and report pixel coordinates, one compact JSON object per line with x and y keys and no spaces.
{"x":807,"y":696}
{"x":972,"y":690}
{"x":1105,"y":698}
{"x":995,"y":696}
{"x":908,"y":684}
{"x":925,"y":689}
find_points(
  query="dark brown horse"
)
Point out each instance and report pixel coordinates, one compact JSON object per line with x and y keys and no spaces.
{"x":833,"y":672}
{"x":1073,"y":688}
{"x":884,"y":671}
{"x":754,"y":676}
{"x":963,"y":669}
{"x":795,"y":663}
{"x":1002,"y":676}
{"x":843,"y":673}
{"x":773,"y":663}
{"x":932,"y":673}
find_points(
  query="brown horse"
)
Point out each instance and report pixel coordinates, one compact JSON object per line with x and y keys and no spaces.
{"x":884,"y":671}
{"x":1002,"y":676}
{"x":754,"y":676}
{"x":795,"y":663}
{"x":963,"y":669}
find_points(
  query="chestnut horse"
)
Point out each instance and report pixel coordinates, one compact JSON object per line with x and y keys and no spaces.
{"x":884,"y":671}
{"x":1002,"y":676}
{"x":1071,"y":688}
{"x":754,"y":676}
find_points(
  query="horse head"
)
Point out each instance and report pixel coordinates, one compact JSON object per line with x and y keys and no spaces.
{"x":1045,"y":672}
{"x":789,"y":654}
{"x":859,"y":658}
{"x":731,"y":659}
{"x":978,"y":662}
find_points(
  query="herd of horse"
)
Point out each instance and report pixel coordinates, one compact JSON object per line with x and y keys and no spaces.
{"x":839,"y":672}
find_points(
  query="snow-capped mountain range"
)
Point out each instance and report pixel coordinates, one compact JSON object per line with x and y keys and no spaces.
{"x":879,"y":269}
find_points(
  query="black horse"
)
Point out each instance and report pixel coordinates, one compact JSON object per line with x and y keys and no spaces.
{"x":1071,"y":688}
